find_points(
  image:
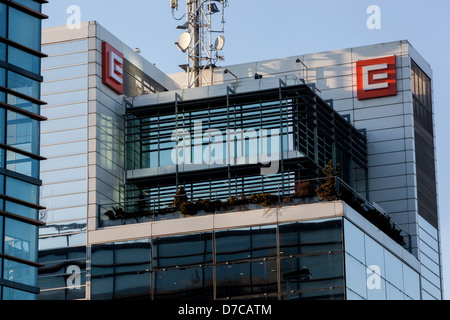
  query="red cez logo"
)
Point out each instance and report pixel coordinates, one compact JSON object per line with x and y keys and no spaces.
{"x":376,"y":78}
{"x":112,"y":68}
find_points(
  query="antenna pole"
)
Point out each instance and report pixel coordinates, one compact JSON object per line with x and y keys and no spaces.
{"x":199,"y":16}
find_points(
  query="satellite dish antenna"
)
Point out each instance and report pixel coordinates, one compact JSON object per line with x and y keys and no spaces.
{"x":184,"y":41}
{"x":220,"y":42}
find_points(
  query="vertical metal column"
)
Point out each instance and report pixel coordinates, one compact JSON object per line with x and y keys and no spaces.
{"x":177,"y":98}
{"x":229,"y":91}
{"x":280,"y":96}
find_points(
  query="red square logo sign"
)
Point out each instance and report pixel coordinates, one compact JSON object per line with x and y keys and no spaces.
{"x":112,"y":68}
{"x":376,"y":78}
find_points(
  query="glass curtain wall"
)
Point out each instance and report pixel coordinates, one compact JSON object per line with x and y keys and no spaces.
{"x":222,"y":143}
{"x":242,"y":263}
{"x":20,"y":79}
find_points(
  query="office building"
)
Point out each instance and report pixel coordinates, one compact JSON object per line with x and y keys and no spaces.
{"x":83,"y":143}
{"x":20,"y":103}
{"x":158,"y":191}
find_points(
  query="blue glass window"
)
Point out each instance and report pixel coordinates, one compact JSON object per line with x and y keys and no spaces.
{"x":2,"y":77}
{"x":21,"y":210}
{"x":24,"y":60}
{"x":14,"y":294}
{"x":23,"y":85}
{"x":22,"y":164}
{"x":19,"y":272}
{"x":24,"y":29}
{"x":30,"y":4}
{"x":20,"y":240}
{"x":23,"y":104}
{"x":22,"y":132}
{"x":22,"y":190}
{"x":3,"y":20}
{"x":2,"y":51}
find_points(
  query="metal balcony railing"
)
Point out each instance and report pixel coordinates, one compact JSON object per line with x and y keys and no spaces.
{"x":290,"y":193}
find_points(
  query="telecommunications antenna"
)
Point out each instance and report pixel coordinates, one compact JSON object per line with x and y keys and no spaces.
{"x":203,"y":19}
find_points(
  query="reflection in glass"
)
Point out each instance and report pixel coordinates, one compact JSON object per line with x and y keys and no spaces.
{"x":186,"y":284}
{"x":19,"y":272}
{"x":22,"y":190}
{"x":182,"y":250}
{"x":354,"y":241}
{"x":22,"y":132}
{"x":24,"y":29}
{"x":310,"y":237}
{"x":311,"y":273}
{"x":24,"y":85}
{"x":246,"y":279}
{"x":15,"y":294}
{"x":355,"y":276}
{"x":248,"y":243}
{"x":24,"y":60}
{"x":20,"y":240}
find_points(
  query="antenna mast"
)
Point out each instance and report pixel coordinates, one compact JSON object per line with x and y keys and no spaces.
{"x":197,"y":40}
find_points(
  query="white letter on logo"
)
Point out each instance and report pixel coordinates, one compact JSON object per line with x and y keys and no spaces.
{"x":114,"y":69}
{"x":380,"y":76}
{"x":374,"y":280}
{"x":73,"y":22}
{"x":374,"y":21}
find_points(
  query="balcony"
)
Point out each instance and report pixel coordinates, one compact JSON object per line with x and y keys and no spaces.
{"x":289,"y":194}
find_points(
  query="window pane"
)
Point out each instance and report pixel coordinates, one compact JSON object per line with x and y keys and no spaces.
{"x":183,"y":250}
{"x":24,"y":60}
{"x":22,"y":164}
{"x":2,"y":51}
{"x":20,"y":240}
{"x":30,"y":4}
{"x":310,"y":237}
{"x":24,"y":29}
{"x":2,"y":77}
{"x":248,"y":243}
{"x":19,"y":272}
{"x":22,"y":190}
{"x":21,"y":210}
{"x":14,"y":294}
{"x":355,"y":276}
{"x":23,"y":85}
{"x":2,"y":20}
{"x":23,"y":104}
{"x":192,"y":283}
{"x":22,"y":132}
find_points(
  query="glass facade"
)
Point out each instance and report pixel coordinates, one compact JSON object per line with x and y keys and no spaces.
{"x":242,"y":263}
{"x":224,"y":140}
{"x":323,"y":259}
{"x":76,"y":119}
{"x":373,"y":273}
{"x":64,"y":142}
{"x":20,"y":78}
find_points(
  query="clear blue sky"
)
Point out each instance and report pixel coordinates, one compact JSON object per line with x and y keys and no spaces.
{"x":263,"y":29}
